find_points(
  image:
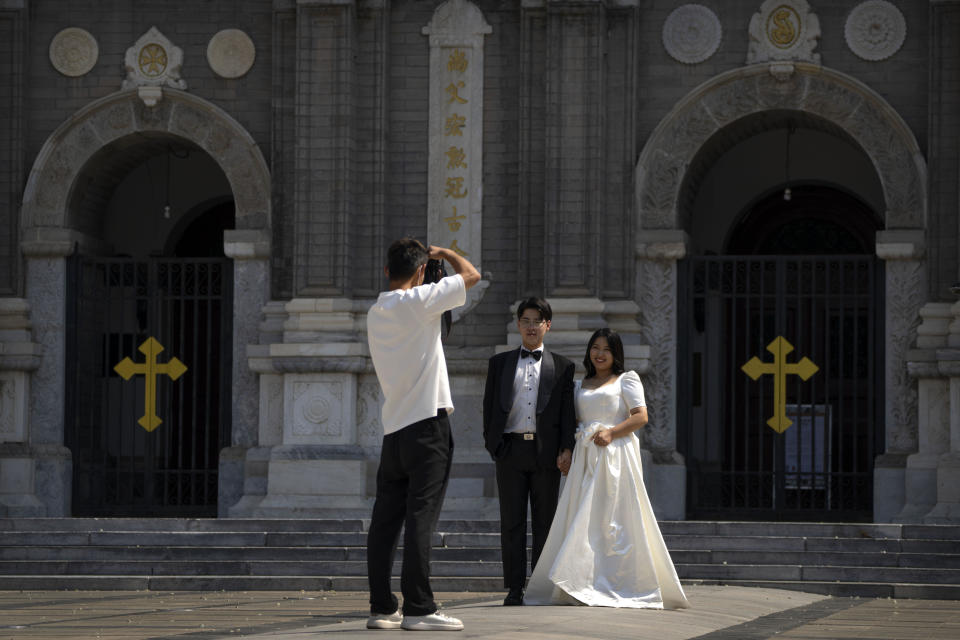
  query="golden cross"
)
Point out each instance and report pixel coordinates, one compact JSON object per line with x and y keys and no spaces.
{"x":151,"y":369}
{"x":780,"y":370}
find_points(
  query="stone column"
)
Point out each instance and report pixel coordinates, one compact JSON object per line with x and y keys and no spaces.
{"x":657,"y":255}
{"x":947,"y":508}
{"x":250,"y":251}
{"x":19,"y":357}
{"x":933,"y":412}
{"x":45,"y":251}
{"x":903,"y":251}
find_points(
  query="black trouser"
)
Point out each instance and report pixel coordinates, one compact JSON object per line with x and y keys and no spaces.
{"x":411,"y":481}
{"x":520,"y":478}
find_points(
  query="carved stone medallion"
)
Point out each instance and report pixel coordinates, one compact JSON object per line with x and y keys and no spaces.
{"x":784,"y":31}
{"x":231,"y":53}
{"x":154,"y":61}
{"x":691,"y":33}
{"x":74,"y":51}
{"x":875,"y":30}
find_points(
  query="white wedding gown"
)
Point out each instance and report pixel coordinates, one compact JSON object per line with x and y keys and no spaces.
{"x":604,"y":547}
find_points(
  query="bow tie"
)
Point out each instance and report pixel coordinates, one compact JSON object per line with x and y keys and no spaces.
{"x":533,"y":354}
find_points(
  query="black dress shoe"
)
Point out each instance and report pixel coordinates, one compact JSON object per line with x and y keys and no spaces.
{"x":514,"y":598}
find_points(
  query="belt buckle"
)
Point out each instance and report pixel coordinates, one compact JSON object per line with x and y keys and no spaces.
{"x":528,"y":436}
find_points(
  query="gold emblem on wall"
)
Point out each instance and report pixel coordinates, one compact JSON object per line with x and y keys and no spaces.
{"x":780,"y":369}
{"x":783,"y":27}
{"x":127,"y":368}
{"x":152,"y":60}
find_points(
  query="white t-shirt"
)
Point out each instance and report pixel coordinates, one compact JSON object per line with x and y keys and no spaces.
{"x":403,"y":332}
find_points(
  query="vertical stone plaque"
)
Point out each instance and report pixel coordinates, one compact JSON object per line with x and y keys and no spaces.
{"x":455,"y":161}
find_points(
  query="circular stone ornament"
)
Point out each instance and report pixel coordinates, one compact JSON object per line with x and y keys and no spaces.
{"x":691,"y":33}
{"x":231,"y":53}
{"x":875,"y":30}
{"x":74,"y":52}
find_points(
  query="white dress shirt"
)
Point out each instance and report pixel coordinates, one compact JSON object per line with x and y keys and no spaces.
{"x":526,"y":385}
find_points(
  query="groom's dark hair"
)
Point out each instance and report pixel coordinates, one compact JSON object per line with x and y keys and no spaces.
{"x":541,"y":305}
{"x":616,"y":350}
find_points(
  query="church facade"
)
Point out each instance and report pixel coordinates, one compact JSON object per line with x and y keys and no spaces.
{"x":761,"y":197}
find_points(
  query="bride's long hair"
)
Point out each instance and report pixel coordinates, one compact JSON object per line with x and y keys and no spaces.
{"x":616,"y":350}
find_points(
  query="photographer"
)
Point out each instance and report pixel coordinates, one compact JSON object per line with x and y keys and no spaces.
{"x":403,"y":332}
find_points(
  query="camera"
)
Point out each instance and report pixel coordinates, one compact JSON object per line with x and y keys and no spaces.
{"x":435,"y":272}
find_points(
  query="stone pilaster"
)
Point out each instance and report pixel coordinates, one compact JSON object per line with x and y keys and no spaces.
{"x":920,"y":490}
{"x":903,"y":252}
{"x":947,"y":508}
{"x":657,"y":254}
{"x":575,"y":145}
{"x":19,"y":357}
{"x":324,"y":143}
{"x":250,"y":252}
{"x":45,"y":252}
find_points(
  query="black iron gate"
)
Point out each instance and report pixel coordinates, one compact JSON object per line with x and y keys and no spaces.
{"x":825,"y":309}
{"x":146,"y":435}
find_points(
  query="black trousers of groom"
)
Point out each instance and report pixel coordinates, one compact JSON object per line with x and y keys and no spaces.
{"x":411,"y":482}
{"x":519,"y":479}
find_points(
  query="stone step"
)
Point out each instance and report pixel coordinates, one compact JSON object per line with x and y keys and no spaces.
{"x":850,"y":589}
{"x":343,"y":568}
{"x":904,"y":575}
{"x":450,"y":583}
{"x":161,"y":553}
{"x":230,"y":583}
{"x":185,"y":524}
{"x":686,"y":527}
{"x":460,"y":554}
{"x":354,"y":568}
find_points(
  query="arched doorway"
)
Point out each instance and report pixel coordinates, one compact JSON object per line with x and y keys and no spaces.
{"x":682,"y":219}
{"x":149,"y":331}
{"x":800,"y":270}
{"x":106,"y":210}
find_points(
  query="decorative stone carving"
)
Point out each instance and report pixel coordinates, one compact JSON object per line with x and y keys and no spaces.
{"x":10,"y":430}
{"x":784,"y":31}
{"x":658,"y":319}
{"x":319,"y":408}
{"x":873,"y":124}
{"x":74,"y":51}
{"x":905,"y":296}
{"x":151,"y":63}
{"x":875,"y":30}
{"x":369,"y":431}
{"x":230,"y":53}
{"x":691,"y":33}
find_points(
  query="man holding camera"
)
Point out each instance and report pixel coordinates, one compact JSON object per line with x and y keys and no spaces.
{"x":403,"y":332}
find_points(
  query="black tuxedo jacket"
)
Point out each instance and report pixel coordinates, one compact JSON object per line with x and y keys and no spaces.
{"x":556,"y":420}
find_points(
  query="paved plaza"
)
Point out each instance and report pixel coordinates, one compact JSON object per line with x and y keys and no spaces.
{"x":718,"y":613}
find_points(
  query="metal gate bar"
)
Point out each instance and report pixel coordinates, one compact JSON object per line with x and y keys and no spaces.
{"x":828,"y":308}
{"x":114,"y":305}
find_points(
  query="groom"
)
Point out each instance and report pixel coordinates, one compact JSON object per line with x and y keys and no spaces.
{"x":528,"y":428}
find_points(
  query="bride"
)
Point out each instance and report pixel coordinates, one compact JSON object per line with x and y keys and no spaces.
{"x":604,"y":547}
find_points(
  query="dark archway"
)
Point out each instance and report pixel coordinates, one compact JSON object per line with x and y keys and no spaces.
{"x":815,"y":220}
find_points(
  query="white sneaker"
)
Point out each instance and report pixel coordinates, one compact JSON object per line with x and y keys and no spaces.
{"x":434,"y":622}
{"x":385,"y":620}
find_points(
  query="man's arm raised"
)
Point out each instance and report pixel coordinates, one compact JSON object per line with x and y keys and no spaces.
{"x":458,"y":263}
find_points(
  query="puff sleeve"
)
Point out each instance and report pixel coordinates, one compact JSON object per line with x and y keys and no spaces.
{"x":631,"y":389}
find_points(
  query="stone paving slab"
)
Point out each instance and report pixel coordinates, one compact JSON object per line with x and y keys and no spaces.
{"x":718,"y":613}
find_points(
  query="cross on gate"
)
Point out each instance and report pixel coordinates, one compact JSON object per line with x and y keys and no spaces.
{"x":151,"y":369}
{"x":780,"y":370}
